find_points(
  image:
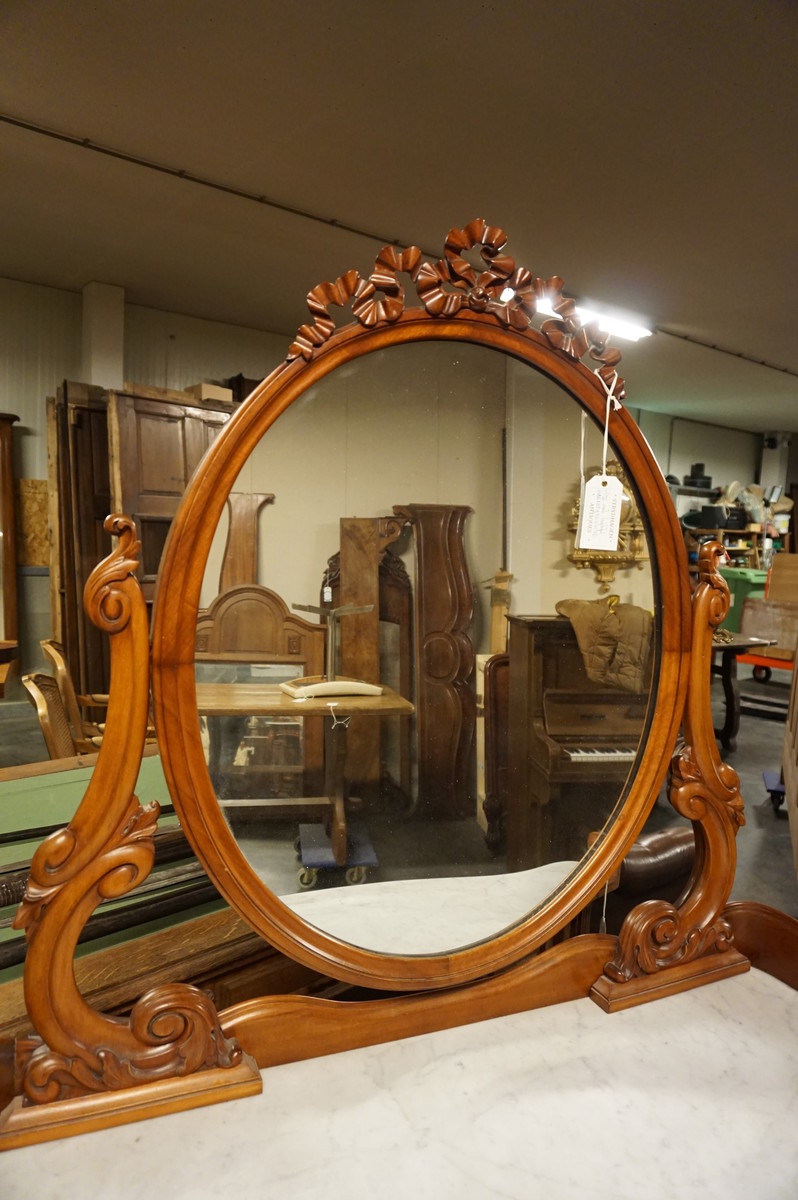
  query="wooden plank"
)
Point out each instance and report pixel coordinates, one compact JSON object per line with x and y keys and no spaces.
{"x":768,"y":937}
{"x":360,"y":643}
{"x":281,"y":1029}
{"x":56,"y":582}
{"x":216,"y":950}
{"x":240,"y":563}
{"x":8,"y":555}
{"x":783,"y":578}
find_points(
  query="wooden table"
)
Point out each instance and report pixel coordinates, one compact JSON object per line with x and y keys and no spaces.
{"x":727,"y":669}
{"x":259,"y":699}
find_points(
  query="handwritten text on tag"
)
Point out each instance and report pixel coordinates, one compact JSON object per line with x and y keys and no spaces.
{"x":601,"y":513}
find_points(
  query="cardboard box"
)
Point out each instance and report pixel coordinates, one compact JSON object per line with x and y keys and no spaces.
{"x":210,"y":391}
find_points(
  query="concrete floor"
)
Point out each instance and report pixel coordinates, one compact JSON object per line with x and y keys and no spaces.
{"x":765,"y":867}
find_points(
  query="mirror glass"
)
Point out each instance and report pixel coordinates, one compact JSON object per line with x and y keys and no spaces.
{"x":473,"y":461}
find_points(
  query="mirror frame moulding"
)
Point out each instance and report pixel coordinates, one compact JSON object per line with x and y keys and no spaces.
{"x":177,"y":605}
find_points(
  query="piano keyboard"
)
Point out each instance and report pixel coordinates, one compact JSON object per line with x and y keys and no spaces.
{"x":585,"y":754}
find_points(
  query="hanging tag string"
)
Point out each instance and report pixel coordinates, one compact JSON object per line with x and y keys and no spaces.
{"x":582,"y":453}
{"x":612,"y":402}
{"x":603,"y":921}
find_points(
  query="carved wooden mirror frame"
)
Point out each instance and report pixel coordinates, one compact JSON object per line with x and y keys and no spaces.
{"x":84,"y":1069}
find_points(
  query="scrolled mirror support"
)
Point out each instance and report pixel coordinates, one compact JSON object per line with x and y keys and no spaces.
{"x":662,"y":945}
{"x":79,"y":1058}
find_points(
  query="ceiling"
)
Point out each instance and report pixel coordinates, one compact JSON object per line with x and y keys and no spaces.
{"x":644,"y":152}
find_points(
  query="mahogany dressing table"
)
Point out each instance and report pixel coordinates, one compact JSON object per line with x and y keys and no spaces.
{"x":475,"y":320}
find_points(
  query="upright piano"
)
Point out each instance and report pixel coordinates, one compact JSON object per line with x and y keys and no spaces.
{"x":571,"y":744}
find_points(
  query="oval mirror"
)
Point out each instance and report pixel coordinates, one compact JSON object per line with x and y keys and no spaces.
{"x":418,"y":480}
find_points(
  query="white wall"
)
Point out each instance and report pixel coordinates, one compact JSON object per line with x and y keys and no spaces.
{"x":656,"y":429}
{"x":727,"y":454}
{"x":775,"y":460}
{"x":423,"y":424}
{"x":544,"y":443}
{"x":407,"y":425}
{"x":368,"y":457}
{"x":40,"y":345}
{"x":41,"y":339}
{"x":173,"y":351}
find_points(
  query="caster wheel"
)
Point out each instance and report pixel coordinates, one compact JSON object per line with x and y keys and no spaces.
{"x":297,"y":846}
{"x":307,"y":878}
{"x":762,"y":674}
{"x":356,"y":875}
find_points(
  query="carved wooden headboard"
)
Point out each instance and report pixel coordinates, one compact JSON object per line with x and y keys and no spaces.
{"x":250,"y":622}
{"x":251,"y":618}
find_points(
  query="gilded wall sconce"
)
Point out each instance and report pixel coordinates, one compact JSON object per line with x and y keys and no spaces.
{"x":632,"y":549}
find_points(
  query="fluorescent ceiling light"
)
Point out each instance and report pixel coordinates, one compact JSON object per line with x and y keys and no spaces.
{"x":630,"y":331}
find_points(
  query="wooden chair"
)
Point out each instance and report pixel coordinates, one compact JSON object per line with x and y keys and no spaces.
{"x":87,"y":734}
{"x":782,"y":581}
{"x":74,"y":705}
{"x":776,"y":619}
{"x":44,"y":695}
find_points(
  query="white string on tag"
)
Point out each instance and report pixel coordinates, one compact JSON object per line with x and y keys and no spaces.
{"x":600,"y":510}
{"x":578,"y":539}
{"x":603,"y":921}
{"x":614,"y":402}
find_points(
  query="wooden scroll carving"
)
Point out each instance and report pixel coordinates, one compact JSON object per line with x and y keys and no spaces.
{"x":665,"y":947}
{"x":445,"y":704}
{"x":79,"y":1056}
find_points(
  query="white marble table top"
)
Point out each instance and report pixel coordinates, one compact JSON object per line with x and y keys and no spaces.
{"x":393,"y":916}
{"x":692,"y":1096}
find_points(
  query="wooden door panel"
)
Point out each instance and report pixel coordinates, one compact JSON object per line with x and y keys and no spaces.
{"x":155,"y":448}
{"x":115,"y":452}
{"x":161,"y":456}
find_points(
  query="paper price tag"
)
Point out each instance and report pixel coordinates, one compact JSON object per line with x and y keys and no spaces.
{"x":600,"y":513}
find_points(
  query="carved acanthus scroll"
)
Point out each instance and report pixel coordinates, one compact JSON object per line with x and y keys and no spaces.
{"x":658,"y":935}
{"x":105,"y":851}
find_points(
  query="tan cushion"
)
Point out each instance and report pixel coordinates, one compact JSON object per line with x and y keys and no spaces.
{"x":614,"y":639}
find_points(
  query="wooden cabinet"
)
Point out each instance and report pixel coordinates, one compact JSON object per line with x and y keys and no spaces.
{"x":129,"y":452}
{"x":154,"y":447}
